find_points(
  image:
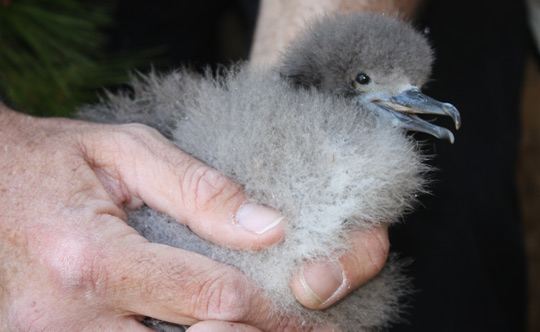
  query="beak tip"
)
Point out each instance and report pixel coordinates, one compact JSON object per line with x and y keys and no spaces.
{"x":453,"y":112}
{"x":448,"y":135}
{"x":405,"y":105}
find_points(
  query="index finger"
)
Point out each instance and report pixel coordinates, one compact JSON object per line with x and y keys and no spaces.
{"x":148,"y":168}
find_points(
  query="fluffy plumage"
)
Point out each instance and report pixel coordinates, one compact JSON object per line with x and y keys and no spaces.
{"x":328,"y":164}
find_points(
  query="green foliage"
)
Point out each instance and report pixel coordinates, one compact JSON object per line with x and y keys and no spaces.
{"x":52,"y":57}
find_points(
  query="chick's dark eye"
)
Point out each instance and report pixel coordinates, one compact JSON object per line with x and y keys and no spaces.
{"x":363,"y":78}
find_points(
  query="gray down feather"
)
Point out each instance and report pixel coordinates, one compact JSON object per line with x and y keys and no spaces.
{"x":328,"y":164}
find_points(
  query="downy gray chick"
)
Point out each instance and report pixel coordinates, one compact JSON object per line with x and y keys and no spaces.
{"x":321,"y":138}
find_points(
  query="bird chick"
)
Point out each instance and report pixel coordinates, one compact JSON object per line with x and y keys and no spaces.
{"x":380,"y":61}
{"x":330,"y":153}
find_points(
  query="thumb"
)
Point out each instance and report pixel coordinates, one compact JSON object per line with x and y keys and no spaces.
{"x":140,"y":164}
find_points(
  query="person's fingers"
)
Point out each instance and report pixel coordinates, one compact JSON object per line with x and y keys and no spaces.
{"x":182,"y":287}
{"x":318,"y":285}
{"x":136,"y":163}
{"x":217,"y":326}
{"x":177,"y":286}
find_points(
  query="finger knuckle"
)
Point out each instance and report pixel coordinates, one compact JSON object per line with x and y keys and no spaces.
{"x":209,"y":188}
{"x":223,"y":299}
{"x":74,"y":264}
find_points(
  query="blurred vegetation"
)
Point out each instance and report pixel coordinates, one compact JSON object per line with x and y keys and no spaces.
{"x":53,"y":55}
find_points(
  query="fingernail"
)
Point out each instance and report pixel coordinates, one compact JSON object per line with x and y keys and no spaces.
{"x":257,"y":219}
{"x":320,"y":282}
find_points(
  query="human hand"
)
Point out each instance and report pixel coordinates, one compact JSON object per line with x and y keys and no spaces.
{"x":69,"y":261}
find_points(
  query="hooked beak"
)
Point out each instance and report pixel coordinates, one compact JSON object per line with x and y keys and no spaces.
{"x":401,"y":109}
